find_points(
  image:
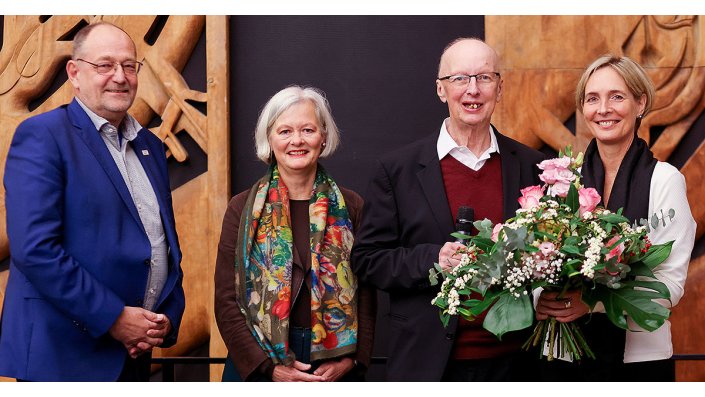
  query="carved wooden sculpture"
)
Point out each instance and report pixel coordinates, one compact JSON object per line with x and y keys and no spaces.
{"x":34,"y":52}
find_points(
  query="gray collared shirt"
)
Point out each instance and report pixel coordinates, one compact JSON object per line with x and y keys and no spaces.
{"x":142,"y":194}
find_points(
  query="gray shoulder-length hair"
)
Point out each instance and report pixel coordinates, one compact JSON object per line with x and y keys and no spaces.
{"x":282,"y":101}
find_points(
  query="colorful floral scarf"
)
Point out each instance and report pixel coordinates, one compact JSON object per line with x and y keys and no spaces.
{"x":264,"y":266}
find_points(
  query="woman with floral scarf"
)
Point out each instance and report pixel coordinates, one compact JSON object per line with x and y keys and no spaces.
{"x":287,"y":303}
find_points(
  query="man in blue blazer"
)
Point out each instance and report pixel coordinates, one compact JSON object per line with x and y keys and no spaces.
{"x":95,"y":277}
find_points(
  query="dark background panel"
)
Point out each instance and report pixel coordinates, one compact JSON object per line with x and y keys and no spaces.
{"x":378,"y":73}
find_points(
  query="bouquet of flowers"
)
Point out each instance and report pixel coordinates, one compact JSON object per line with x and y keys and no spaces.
{"x":560,"y":239}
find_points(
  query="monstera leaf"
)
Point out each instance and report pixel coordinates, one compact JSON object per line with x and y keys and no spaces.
{"x":509,"y":314}
{"x":636,"y":300}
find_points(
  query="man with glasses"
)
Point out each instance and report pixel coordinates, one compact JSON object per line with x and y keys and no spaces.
{"x":95,"y":277}
{"x":409,"y":212}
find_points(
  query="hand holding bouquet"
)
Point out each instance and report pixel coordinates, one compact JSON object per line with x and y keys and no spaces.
{"x":560,"y":240}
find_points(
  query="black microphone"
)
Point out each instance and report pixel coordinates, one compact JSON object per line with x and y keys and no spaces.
{"x":464,"y":220}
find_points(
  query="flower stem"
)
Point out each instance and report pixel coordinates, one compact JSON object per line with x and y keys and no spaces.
{"x":552,"y":338}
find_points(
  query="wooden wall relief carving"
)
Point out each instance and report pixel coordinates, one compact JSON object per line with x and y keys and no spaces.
{"x":32,"y":80}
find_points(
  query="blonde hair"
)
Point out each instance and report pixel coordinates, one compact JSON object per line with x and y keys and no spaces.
{"x":633,"y":74}
{"x":283,"y":100}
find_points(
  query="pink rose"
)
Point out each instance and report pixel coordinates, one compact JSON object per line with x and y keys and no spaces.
{"x":556,"y":175}
{"x":555,"y":163}
{"x":616,"y":251}
{"x":557,"y":171}
{"x":560,"y":189}
{"x":547,"y":248}
{"x":588,"y":198}
{"x":530,"y":197}
{"x":495,"y":232}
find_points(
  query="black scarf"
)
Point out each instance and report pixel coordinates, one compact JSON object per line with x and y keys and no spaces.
{"x":633,"y":182}
{"x":630,"y":191}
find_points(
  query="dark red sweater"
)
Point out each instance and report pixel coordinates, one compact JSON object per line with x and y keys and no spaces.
{"x":482,"y":191}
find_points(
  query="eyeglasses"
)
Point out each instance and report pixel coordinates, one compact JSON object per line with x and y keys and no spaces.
{"x":462,"y":80}
{"x":109,"y":68}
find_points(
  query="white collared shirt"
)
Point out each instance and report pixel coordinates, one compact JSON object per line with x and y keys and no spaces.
{"x":446,"y":145}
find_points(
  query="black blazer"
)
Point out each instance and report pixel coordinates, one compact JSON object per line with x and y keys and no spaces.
{"x":406,"y":220}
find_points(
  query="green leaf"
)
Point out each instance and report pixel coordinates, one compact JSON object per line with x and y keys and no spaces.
{"x":657,"y":254}
{"x":516,"y":238}
{"x":635,"y":303}
{"x":570,"y":249}
{"x":572,"y":200}
{"x":484,"y":228}
{"x":442,"y":303}
{"x":461,"y":236}
{"x":570,"y":270}
{"x":465,"y":313}
{"x":640,"y":269}
{"x":433,"y":276}
{"x":509,"y":314}
{"x":445,"y":317}
{"x":470,"y":303}
{"x":657,"y":286}
{"x":572,"y":240}
{"x":613,"y":218}
{"x":482,"y":305}
{"x":484,"y":244}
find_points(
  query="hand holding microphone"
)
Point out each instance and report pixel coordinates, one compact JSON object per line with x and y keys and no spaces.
{"x":448,"y":257}
{"x":464,"y":220}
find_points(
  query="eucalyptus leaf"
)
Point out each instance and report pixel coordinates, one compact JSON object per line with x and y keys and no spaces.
{"x":433,"y":276}
{"x":516,"y":238}
{"x":484,"y":228}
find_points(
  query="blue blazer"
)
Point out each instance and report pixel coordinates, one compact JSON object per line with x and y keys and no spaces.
{"x":79,"y":252}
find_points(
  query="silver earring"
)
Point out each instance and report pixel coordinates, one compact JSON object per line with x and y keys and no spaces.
{"x":323,"y":144}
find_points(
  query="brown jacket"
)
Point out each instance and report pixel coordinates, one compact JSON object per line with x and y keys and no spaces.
{"x":244,"y":350}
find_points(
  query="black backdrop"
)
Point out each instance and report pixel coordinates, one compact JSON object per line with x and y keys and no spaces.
{"x":378,"y":73}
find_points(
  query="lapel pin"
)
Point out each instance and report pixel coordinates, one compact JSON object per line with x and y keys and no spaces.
{"x":145,"y":152}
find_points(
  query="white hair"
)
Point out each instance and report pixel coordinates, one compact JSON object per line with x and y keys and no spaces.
{"x":283,"y":100}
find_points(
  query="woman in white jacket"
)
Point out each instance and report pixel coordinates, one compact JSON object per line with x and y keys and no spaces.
{"x":614,"y":94}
